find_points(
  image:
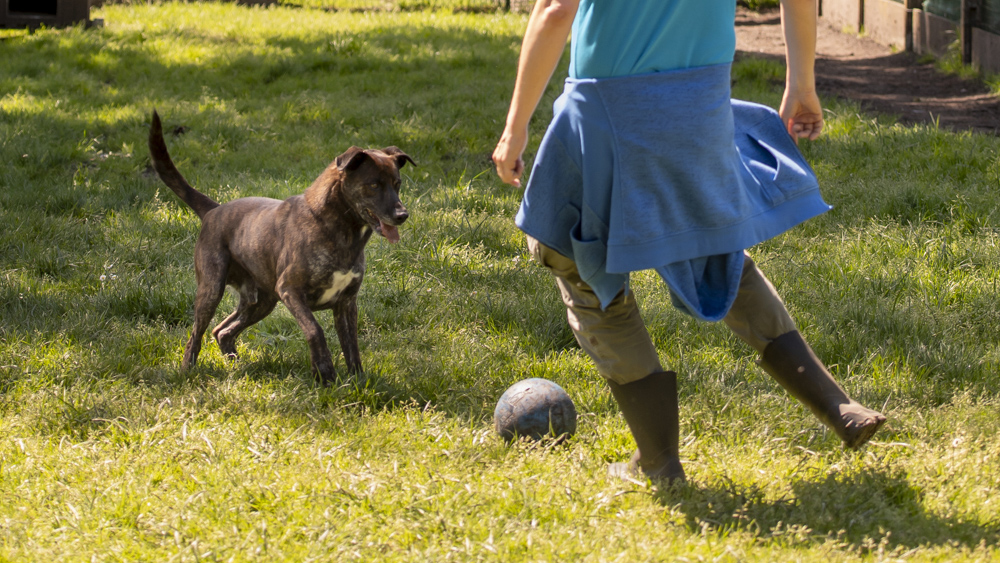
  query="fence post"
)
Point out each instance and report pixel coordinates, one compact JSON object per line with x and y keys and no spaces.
{"x":908,"y":25}
{"x":969,"y":17}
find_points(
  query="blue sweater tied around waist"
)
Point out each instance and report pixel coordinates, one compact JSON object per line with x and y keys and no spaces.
{"x":665,"y":171}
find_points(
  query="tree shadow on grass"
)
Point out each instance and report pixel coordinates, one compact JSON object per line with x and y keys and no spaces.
{"x":859,"y":510}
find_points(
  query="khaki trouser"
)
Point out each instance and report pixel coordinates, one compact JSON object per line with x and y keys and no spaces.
{"x":616,"y":337}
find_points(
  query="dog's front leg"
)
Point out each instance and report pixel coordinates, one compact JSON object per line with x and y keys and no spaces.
{"x":346,"y":319}
{"x":322,"y":361}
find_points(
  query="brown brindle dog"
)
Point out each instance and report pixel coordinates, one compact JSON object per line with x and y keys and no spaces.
{"x":306,"y":251}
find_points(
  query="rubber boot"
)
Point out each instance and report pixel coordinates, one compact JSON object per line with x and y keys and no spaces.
{"x":650,"y":409}
{"x":792,"y":363}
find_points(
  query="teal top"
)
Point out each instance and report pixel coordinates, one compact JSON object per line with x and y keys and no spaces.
{"x":640,"y":37}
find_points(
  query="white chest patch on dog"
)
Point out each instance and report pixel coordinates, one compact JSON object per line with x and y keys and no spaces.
{"x":338,"y":283}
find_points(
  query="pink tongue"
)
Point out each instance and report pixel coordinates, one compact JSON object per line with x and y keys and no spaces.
{"x":389,"y":232}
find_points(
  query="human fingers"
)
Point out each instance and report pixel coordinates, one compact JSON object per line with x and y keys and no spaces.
{"x":509,"y":167}
{"x":811,"y":130}
{"x":802,"y":123}
{"x":507,"y":157}
{"x":806,"y":126}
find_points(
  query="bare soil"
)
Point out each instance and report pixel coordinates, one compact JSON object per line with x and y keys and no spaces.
{"x":882,"y":81}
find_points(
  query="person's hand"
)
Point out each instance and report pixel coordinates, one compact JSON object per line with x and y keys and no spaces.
{"x":507,"y":156}
{"x":802,"y":114}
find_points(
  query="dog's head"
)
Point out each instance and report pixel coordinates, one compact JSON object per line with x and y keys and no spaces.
{"x":369,"y":184}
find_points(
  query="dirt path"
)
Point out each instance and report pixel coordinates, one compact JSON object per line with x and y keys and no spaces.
{"x":859,"y":69}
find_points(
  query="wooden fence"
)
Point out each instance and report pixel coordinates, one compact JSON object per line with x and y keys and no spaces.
{"x":519,"y":5}
{"x":905,"y":26}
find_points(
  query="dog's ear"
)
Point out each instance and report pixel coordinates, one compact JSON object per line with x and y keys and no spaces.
{"x":399,"y":156}
{"x":351,"y":159}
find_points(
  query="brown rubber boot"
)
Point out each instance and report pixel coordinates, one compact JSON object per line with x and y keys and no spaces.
{"x":650,"y":409}
{"x":792,"y":363}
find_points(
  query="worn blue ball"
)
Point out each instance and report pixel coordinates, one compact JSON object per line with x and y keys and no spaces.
{"x":535,"y":408}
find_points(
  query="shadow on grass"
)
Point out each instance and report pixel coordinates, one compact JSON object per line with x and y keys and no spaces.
{"x":389,"y":85}
{"x":840,"y":507}
{"x":369,"y":390}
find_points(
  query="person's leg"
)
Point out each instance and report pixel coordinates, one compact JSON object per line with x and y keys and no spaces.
{"x":651,"y":411}
{"x":615,"y":337}
{"x":759,"y":317}
{"x":618,"y":342}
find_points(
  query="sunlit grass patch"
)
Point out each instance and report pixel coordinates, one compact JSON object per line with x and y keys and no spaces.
{"x":111,"y":452}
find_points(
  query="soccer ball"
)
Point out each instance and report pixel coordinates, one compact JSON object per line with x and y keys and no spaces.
{"x":534,"y":408}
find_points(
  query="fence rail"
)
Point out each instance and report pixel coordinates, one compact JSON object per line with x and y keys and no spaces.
{"x":985,"y":13}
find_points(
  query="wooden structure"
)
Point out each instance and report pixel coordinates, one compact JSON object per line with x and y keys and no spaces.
{"x":519,"y":5}
{"x":905,"y":26}
{"x":50,"y":13}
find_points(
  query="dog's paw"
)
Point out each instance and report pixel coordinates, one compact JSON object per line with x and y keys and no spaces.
{"x":325,"y":373}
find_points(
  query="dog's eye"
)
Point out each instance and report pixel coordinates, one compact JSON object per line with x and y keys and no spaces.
{"x":371,"y":187}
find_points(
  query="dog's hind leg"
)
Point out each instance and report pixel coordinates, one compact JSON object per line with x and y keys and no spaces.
{"x":251,"y":310}
{"x":227,"y":346}
{"x":206,"y":300}
{"x":346,"y":319}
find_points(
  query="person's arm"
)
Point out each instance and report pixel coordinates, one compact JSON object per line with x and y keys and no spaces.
{"x":800,"y":106}
{"x":544,"y":42}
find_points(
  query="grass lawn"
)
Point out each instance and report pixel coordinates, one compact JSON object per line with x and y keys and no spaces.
{"x":108,"y":452}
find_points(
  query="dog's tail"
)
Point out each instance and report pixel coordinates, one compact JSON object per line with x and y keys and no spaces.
{"x":196,"y":200}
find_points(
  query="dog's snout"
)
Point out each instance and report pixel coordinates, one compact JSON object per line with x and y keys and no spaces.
{"x":402,"y":215}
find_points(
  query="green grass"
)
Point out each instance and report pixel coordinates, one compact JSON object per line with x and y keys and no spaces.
{"x":759,"y":4}
{"x":109,"y":452}
{"x":950,"y":62}
{"x":399,"y":5}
